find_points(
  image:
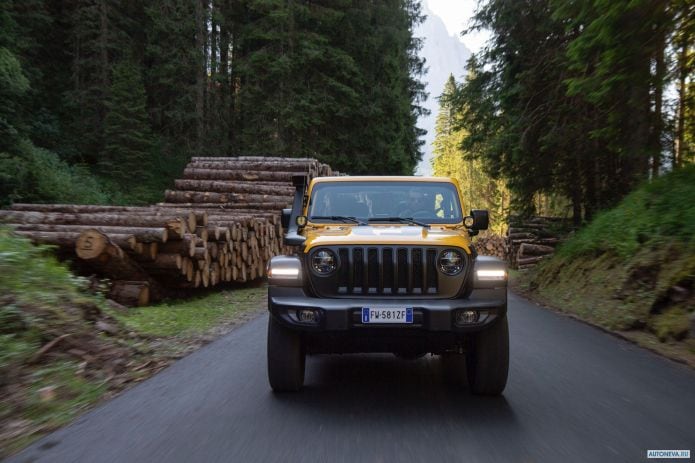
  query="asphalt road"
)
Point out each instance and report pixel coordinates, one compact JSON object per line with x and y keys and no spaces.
{"x":574,"y":394}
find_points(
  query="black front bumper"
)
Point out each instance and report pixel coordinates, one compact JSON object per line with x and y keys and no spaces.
{"x":340,"y":329}
{"x":429,"y":315}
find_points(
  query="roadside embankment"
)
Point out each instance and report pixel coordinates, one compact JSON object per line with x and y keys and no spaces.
{"x":64,"y":348}
{"x":632,"y":269}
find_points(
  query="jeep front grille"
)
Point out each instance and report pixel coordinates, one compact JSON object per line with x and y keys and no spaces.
{"x":392,"y":271}
{"x":387,"y":271}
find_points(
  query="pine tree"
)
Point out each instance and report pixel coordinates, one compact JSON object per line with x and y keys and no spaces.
{"x":172,"y":62}
{"x":479,"y":189}
{"x":127,"y":133}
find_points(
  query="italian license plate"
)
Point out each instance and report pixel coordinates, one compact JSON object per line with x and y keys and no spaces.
{"x":387,"y":315}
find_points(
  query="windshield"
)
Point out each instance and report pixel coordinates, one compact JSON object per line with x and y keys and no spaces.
{"x":428,"y":202}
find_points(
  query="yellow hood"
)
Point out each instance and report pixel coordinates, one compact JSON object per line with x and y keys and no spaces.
{"x":386,"y":234}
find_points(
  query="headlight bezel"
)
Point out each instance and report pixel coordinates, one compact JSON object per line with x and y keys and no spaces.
{"x":461,"y":264}
{"x":315,"y":270}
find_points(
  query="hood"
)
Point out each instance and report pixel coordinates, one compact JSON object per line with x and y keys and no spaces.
{"x":386,"y":234}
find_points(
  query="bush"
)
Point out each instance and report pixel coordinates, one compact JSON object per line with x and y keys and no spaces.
{"x":654,"y":214}
{"x":37,"y":175}
{"x":31,"y":274}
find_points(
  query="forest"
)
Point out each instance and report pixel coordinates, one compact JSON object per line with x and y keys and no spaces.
{"x":105,"y":101}
{"x":571,"y":105}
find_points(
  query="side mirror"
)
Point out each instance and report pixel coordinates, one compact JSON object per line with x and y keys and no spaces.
{"x":285,"y":218}
{"x":481,"y":219}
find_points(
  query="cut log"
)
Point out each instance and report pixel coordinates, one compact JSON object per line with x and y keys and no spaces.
{"x":235,"y":187}
{"x":194,"y":197}
{"x":130,"y":293}
{"x":310,"y":167}
{"x":194,"y":173}
{"x":250,"y":158}
{"x":529,"y":260}
{"x":74,"y":208}
{"x":535,"y":249}
{"x":265,"y":206}
{"x":165,"y":261}
{"x":121,"y":219}
{"x":104,"y":256}
{"x":68,"y":239}
{"x":142,"y":234}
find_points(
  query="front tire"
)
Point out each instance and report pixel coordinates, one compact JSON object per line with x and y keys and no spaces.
{"x":286,"y":358}
{"x":487,"y":364}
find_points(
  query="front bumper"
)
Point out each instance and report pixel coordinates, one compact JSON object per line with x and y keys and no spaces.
{"x":430,"y":316}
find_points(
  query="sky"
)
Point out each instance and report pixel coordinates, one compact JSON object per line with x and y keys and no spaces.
{"x":456,"y":15}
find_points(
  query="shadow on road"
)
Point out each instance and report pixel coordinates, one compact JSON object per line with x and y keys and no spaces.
{"x":383,"y":387}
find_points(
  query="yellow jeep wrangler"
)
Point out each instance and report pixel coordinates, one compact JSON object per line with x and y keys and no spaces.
{"x":386,"y":264}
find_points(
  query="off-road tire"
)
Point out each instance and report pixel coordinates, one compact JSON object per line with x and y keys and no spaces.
{"x":286,"y":358}
{"x":487,"y":364}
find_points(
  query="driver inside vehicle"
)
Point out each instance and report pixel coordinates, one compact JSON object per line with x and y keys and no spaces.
{"x":417,"y":205}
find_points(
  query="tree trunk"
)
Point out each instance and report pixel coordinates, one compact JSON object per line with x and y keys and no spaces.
{"x":195,"y":173}
{"x":165,"y":262}
{"x":657,"y":116}
{"x":130,"y":293}
{"x":682,"y":99}
{"x":68,"y":239}
{"x":107,"y":258}
{"x":528,"y":249}
{"x":234,"y":187}
{"x":195,"y":197}
{"x":307,"y":167}
{"x":142,"y":234}
{"x":201,"y":74}
{"x":120,"y":219}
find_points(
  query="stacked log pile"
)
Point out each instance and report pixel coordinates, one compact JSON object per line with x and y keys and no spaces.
{"x":533,"y":239}
{"x":220,"y":224}
{"x":491,"y":245}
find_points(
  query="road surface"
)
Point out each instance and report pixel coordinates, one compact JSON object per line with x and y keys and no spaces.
{"x":574,"y":394}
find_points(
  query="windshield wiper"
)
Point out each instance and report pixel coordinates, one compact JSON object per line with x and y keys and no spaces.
{"x":408,"y":220}
{"x":338,"y":217}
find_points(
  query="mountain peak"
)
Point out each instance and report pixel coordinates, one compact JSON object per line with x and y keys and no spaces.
{"x":445,"y":55}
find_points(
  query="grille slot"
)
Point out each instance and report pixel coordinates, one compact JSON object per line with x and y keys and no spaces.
{"x":387,"y":271}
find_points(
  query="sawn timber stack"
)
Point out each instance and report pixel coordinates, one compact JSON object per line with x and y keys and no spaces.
{"x":220,"y":224}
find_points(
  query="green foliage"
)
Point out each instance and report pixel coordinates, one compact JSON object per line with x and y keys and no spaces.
{"x":123,"y":88}
{"x":673,"y":324}
{"x":37,"y":175}
{"x":568,"y":99}
{"x":620,"y":269}
{"x":76,"y":392}
{"x":194,"y":316}
{"x":479,"y":190}
{"x":656,"y":213}
{"x":31,"y":274}
{"x":308,"y":88}
{"x":128,"y":149}
{"x":12,"y":79}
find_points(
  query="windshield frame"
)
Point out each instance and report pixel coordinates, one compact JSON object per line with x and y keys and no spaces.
{"x":359,"y":185}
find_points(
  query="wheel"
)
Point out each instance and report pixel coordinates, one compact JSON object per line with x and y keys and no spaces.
{"x":487,"y":364}
{"x":286,"y":358}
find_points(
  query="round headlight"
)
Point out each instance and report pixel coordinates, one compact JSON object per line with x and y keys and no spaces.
{"x":450,"y":262}
{"x":324,"y":261}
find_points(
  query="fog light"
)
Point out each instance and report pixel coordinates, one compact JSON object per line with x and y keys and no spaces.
{"x":307,"y":316}
{"x":466,"y":317}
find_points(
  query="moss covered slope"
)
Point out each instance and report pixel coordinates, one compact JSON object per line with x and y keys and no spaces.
{"x":633,"y":267}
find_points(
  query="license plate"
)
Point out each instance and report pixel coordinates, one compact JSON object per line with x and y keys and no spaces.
{"x":387,"y":315}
